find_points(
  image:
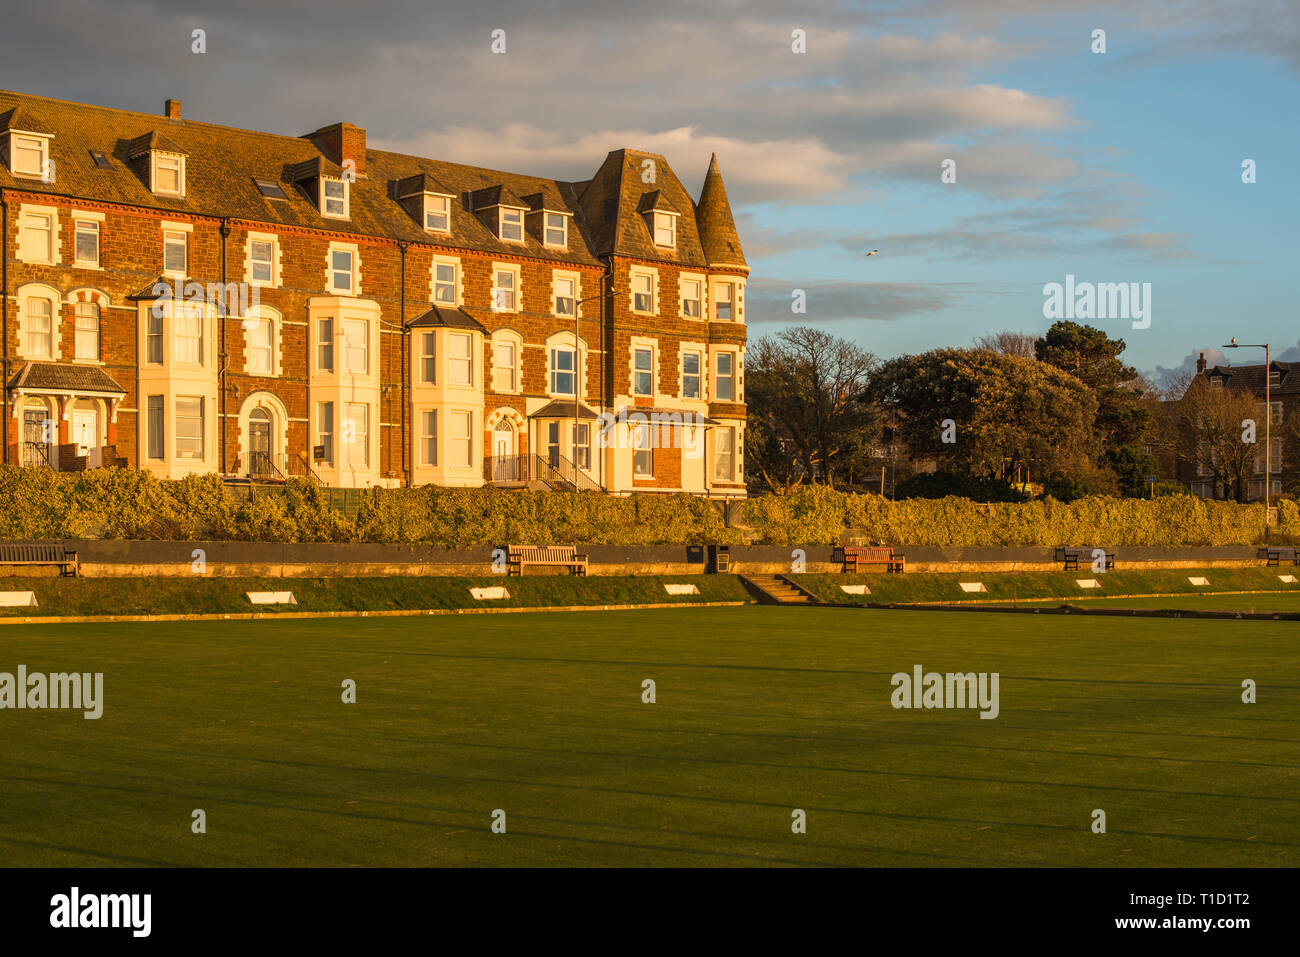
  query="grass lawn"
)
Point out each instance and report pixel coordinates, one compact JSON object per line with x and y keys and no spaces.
{"x":759,"y":710}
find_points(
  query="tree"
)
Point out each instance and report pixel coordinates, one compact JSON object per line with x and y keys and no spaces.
{"x":808,"y":414}
{"x":1008,"y":343}
{"x":989,"y":415}
{"x":1124,"y":414}
{"x":1210,"y":430}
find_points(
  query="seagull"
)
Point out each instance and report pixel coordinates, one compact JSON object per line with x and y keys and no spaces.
{"x":873,"y":252}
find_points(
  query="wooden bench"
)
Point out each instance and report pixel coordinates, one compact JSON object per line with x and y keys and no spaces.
{"x":520,"y":556}
{"x":1276,"y":555}
{"x":854,"y":556}
{"x":1070,"y":558}
{"x":41,"y":553}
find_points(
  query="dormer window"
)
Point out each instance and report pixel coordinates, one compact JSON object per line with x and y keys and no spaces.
{"x":556,"y":231}
{"x":333,"y":198}
{"x":437,"y":213}
{"x":28,"y":155}
{"x":168,"y":172}
{"x":512,"y":224}
{"x":665,"y":227}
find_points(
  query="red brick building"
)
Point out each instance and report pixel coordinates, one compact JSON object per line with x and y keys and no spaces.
{"x":183,"y":297}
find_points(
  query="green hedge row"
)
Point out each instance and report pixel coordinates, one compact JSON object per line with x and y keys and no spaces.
{"x":120,"y":503}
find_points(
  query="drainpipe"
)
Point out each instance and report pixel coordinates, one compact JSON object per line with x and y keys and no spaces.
{"x":402,"y":246}
{"x":225,"y":356}
{"x":4,"y":319}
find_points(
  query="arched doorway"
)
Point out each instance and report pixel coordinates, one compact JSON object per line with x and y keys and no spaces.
{"x":505,"y":452}
{"x":40,"y":434}
{"x":260,"y":448}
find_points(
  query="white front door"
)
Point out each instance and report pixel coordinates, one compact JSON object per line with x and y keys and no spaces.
{"x":85,"y":431}
{"x":503,"y":451}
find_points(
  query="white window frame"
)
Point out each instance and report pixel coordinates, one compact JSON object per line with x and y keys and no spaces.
{"x":157,"y":158}
{"x":733,"y":378}
{"x":719,"y":301}
{"x":83,"y":225}
{"x":639,"y":349}
{"x":183,"y":315}
{"x":718,"y":453}
{"x":273,"y":264}
{"x":456,"y":417}
{"x":428,"y":358}
{"x":50,"y":332}
{"x":251,"y":348}
{"x":351,"y":350}
{"x":698,"y":375}
{"x":331,"y":273}
{"x":556,"y":349}
{"x":558,"y":276}
{"x":436,"y":284}
{"x":43,"y":148}
{"x":344,"y":201}
{"x":49,"y":254}
{"x":697,"y":280}
{"x":173,"y":237}
{"x":517,"y":299}
{"x":548,"y":228}
{"x":360,"y":434}
{"x":78,"y":332}
{"x":642,"y":445}
{"x":502,"y":223}
{"x":324,"y":345}
{"x":634,"y":277}
{"x":431,"y":201}
{"x":515,"y":344}
{"x":325,"y":430}
{"x":660,"y":222}
{"x":429,"y":437}
{"x":203,"y":427}
{"x":460,"y":367}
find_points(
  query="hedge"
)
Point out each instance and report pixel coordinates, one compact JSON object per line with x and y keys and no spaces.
{"x":129,"y":504}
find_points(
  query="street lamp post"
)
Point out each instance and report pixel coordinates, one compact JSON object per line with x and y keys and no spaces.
{"x":1268,"y":420}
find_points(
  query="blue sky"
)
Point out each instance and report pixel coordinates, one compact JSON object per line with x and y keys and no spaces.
{"x":1115,"y":167}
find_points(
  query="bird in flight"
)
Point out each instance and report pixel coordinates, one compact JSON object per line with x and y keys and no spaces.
{"x":873,"y":252}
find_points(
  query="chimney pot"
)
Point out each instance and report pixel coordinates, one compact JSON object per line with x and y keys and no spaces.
{"x":1200,"y":364}
{"x":172,"y":109}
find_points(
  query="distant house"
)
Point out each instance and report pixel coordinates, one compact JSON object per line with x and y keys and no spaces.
{"x":1283,"y":392}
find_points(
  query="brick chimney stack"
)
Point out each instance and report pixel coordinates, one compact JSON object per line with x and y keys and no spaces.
{"x":172,"y":109}
{"x":342,"y":142}
{"x":1200,"y":364}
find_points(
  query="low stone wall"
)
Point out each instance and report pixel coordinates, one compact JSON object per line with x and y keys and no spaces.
{"x":114,"y":558}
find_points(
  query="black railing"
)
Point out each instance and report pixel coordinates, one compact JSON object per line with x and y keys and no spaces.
{"x":34,"y":453}
{"x":301,"y":468}
{"x":555,"y":469}
{"x":506,"y":469}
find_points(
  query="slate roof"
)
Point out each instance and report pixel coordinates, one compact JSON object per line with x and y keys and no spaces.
{"x":563,"y":409}
{"x":1251,"y":378}
{"x":448,"y":317}
{"x":716,"y":225}
{"x":222,"y":164}
{"x":630,"y":410}
{"x":65,"y":377}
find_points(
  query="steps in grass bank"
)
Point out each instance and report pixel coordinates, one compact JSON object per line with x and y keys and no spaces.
{"x":777,"y":590}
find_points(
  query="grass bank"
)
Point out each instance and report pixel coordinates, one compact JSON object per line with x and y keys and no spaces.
{"x":212,"y":596}
{"x":927,"y":587}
